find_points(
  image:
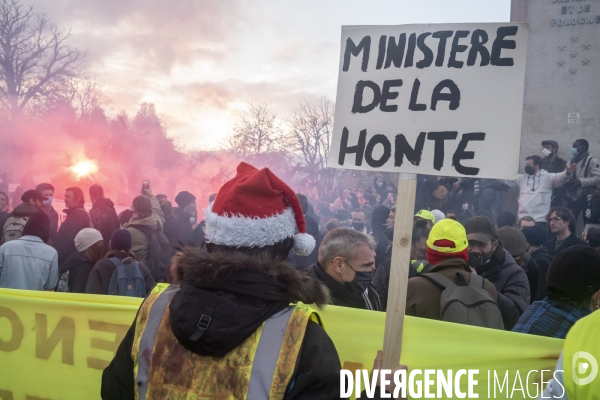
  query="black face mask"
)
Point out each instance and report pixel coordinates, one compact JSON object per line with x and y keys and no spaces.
{"x":361,"y":281}
{"x":529,"y":170}
{"x":359,"y":226}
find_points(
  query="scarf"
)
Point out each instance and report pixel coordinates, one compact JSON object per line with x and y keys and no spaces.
{"x":580,"y":157}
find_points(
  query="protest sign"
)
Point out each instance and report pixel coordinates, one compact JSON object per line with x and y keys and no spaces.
{"x":442,"y":99}
{"x":55,"y":345}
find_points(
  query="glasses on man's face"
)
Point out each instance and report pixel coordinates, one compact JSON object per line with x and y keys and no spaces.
{"x":555,"y":219}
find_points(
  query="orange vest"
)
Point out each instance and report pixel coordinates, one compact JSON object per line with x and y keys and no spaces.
{"x":261,"y":367}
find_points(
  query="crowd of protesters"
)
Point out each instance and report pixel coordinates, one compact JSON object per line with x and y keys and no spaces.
{"x":261,"y":246}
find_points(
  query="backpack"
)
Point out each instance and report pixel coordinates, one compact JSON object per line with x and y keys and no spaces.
{"x":159,"y":254}
{"x":127,"y":280}
{"x":466,"y":304}
{"x":13,"y":228}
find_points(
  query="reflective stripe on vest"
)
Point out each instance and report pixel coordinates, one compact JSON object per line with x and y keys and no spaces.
{"x":272,"y":361}
{"x":581,"y":356}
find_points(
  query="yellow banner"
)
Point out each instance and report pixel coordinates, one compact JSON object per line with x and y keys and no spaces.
{"x":55,"y":345}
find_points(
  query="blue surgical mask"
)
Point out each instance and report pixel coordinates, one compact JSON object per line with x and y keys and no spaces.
{"x":574,"y":151}
{"x":47,"y":202}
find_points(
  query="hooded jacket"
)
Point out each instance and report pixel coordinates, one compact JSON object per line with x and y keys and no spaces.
{"x":588,"y":173}
{"x":246,"y":291}
{"x":511,"y":284}
{"x":101,"y":273}
{"x":79,"y":267}
{"x":423,"y":296}
{"x":141,"y":231}
{"x":535,"y":192}
{"x":105,"y":219}
{"x":64,"y":241}
{"x":23,"y":210}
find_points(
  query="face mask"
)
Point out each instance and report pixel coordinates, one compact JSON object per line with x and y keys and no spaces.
{"x":192,"y":220}
{"x":358,"y":226}
{"x":360,"y":283}
{"x":465,"y":206}
{"x":48,"y":202}
{"x":529,"y":170}
{"x":379,"y":184}
{"x":546,"y":152}
{"x":574,"y":151}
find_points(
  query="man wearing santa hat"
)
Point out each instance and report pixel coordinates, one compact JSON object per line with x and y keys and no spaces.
{"x":226,"y":328}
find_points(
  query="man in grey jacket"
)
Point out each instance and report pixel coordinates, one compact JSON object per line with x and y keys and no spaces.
{"x":585,"y":179}
{"x":28,"y":262}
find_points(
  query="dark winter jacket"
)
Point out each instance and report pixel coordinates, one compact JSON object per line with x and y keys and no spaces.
{"x":248,"y":290}
{"x":100,"y":274}
{"x":423,"y":296}
{"x":79,"y":267}
{"x":64,"y":241}
{"x":571,"y":240}
{"x":342,"y":296}
{"x":533,"y":276}
{"x":182,"y":235}
{"x":554,"y":167}
{"x":543,"y":259}
{"x":379,"y":218}
{"x":3,"y":218}
{"x":511,"y":284}
{"x":105,"y":219}
{"x":53,"y":215}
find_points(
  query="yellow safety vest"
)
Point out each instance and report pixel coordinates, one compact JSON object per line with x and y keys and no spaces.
{"x":581,"y":356}
{"x":261,"y":367}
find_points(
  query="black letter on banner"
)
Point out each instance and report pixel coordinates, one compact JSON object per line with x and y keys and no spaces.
{"x":461,"y":154}
{"x":395,"y":53}
{"x":410,"y":51}
{"x":387,"y":151}
{"x":381,"y":54}
{"x":412,"y":154}
{"x":442,"y":35}
{"x":352,"y":49}
{"x":438,"y":154}
{"x":387,"y":95}
{"x":457,"y":48}
{"x":359,"y":149}
{"x":16,"y":336}
{"x":478,"y":39}
{"x":64,"y":331}
{"x":413,"y":105}
{"x":427,"y":53}
{"x":500,"y":44}
{"x":453,"y":97}
{"x":357,"y":106}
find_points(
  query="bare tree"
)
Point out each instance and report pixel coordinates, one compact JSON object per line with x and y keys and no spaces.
{"x":256,"y":131}
{"x":312,"y":124}
{"x":35,"y":59}
{"x":85,"y":94}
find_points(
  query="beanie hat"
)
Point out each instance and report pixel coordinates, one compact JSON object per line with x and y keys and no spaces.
{"x":447,"y":239}
{"x":426,"y":215}
{"x":480,"y":228}
{"x":256,"y":209}
{"x":121,"y":240}
{"x":38,"y":225}
{"x":438,"y":215}
{"x":184,"y":198}
{"x":535,"y":235}
{"x":574,"y":274}
{"x":512,"y":240}
{"x":86,"y":238}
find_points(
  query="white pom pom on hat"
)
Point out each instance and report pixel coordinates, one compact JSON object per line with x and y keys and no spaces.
{"x":257,"y":209}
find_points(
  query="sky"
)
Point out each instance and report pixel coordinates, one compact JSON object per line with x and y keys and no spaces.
{"x":200,"y":61}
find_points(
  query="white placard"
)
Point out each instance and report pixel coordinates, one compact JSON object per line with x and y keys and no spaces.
{"x":438,"y":99}
{"x":573,"y":118}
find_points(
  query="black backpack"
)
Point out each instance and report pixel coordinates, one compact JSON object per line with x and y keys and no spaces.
{"x":127,"y":280}
{"x":466,"y":304}
{"x":160,"y":253}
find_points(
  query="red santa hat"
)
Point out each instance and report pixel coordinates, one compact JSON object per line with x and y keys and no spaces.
{"x":256,"y":209}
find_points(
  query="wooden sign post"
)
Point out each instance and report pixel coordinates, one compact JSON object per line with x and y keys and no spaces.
{"x":403,"y":224}
{"x":435,"y":99}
